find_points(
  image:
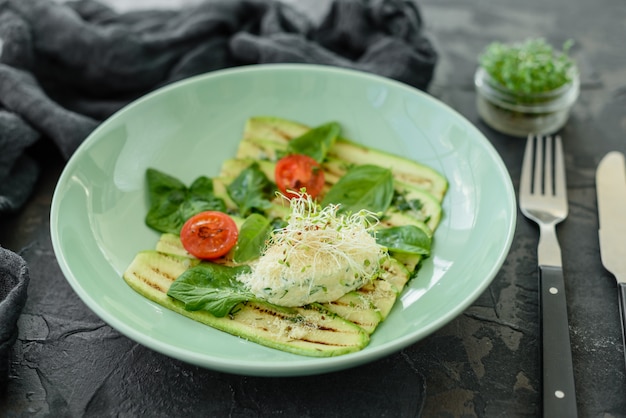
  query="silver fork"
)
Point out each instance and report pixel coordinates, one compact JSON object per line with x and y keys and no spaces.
{"x":543,"y":198}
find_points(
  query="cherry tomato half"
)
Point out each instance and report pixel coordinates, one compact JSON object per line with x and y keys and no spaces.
{"x":209,"y":234}
{"x":298,"y":171}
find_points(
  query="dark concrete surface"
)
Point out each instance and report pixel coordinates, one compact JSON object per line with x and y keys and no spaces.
{"x":484,"y":363}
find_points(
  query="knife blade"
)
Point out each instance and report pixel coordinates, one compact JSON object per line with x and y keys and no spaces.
{"x":611,"y":194}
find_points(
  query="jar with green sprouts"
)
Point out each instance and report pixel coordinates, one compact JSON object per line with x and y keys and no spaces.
{"x":526,"y":87}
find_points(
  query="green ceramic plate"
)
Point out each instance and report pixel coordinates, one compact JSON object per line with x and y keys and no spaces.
{"x":187,"y":129}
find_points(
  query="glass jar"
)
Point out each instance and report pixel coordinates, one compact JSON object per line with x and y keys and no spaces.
{"x":520,"y":114}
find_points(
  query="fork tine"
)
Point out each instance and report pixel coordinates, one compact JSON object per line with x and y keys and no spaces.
{"x":539,"y":175}
{"x":527,"y":167}
{"x":548,"y":185}
{"x":559,"y":169}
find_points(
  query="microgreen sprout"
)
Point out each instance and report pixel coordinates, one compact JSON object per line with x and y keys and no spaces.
{"x":312,"y":226}
{"x":528,"y":67}
{"x":316,"y":252}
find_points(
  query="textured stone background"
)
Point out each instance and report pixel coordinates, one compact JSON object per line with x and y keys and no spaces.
{"x":483,"y":363}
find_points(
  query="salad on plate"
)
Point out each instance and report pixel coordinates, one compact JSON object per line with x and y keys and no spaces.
{"x":302,"y":243}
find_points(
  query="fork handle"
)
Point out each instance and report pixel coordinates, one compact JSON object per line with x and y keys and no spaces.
{"x":559,"y":395}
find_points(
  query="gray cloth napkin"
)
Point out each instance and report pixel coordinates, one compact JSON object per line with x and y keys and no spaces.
{"x":13,"y":285}
{"x":65,"y":67}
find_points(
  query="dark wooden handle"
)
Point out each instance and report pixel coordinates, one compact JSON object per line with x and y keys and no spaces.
{"x":559,"y":394}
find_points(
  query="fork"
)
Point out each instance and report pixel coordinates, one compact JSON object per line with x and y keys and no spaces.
{"x":543,"y":199}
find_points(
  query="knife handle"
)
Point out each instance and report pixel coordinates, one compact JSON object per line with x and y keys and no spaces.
{"x":621,"y":294}
{"x":559,"y":394}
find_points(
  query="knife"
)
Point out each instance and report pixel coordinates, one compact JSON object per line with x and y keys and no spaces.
{"x":611,"y":190}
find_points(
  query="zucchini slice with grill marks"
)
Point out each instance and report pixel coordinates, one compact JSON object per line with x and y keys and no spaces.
{"x":311,"y":330}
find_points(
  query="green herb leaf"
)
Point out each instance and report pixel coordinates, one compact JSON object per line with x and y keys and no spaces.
{"x":316,"y":142}
{"x":210,"y":287}
{"x":252,"y":236}
{"x":251,"y":190}
{"x":278,"y":223}
{"x":200,"y":198}
{"x":367,"y":187}
{"x":404,"y":239}
{"x":403,"y":204}
{"x":172,"y":203}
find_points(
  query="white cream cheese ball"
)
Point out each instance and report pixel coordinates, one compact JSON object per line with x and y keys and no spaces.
{"x":318,"y":257}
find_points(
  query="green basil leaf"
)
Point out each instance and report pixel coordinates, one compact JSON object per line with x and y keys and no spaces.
{"x":367,"y":187}
{"x":316,"y":142}
{"x":404,"y":239}
{"x":164,"y":215}
{"x":252,"y":236}
{"x":278,"y":223}
{"x":210,"y":287}
{"x":401,"y":203}
{"x":166,"y":195}
{"x":161,"y":184}
{"x":251,"y":190}
{"x":172,"y":203}
{"x":200,"y":198}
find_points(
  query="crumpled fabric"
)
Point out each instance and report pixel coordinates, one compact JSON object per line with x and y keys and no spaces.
{"x":65,"y":67}
{"x":14,"y":278}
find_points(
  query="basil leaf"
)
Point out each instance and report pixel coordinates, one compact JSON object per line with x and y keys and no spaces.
{"x":316,"y":142}
{"x":251,"y":190}
{"x":404,"y":239}
{"x":401,"y":203}
{"x":210,"y":287}
{"x":172,"y":203}
{"x":164,"y":214}
{"x":200,"y":198}
{"x":367,"y":187}
{"x":278,"y":223}
{"x":160,"y":184}
{"x":252,"y":236}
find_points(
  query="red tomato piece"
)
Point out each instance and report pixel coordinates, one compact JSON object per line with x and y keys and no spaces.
{"x":209,"y":234}
{"x":298,"y":171}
